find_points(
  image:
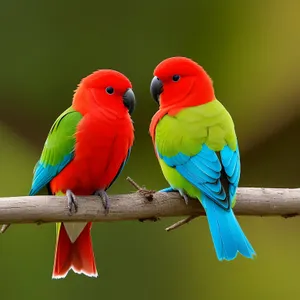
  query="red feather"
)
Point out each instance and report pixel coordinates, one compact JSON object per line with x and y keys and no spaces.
{"x":103,"y":138}
{"x":100,"y":152}
{"x":155,"y":119}
{"x":101,"y":148}
{"x":78,"y":256}
{"x":194,"y":88}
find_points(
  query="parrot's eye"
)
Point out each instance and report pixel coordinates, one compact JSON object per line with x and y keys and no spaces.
{"x":176,"y":77}
{"x":109,"y":90}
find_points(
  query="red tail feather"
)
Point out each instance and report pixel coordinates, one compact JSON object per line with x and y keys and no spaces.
{"x":78,"y":256}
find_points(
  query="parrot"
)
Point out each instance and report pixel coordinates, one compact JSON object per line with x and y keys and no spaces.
{"x":196,"y":146}
{"x":85,"y":151}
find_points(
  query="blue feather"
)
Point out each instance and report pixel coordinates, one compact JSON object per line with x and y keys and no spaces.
{"x":227,"y":235}
{"x":211,"y":171}
{"x":232,"y":191}
{"x":203,"y":170}
{"x":234,"y":179}
{"x":167,"y":190}
{"x":191,"y":169}
{"x":43,"y":173}
{"x":231,"y":163}
{"x":175,"y":160}
{"x":215,"y":187}
{"x":227,"y":154}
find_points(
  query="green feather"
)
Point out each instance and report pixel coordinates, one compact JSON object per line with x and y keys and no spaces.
{"x":187,"y":131}
{"x":58,"y":149}
{"x":61,"y":138}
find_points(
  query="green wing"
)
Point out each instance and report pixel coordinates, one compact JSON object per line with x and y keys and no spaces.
{"x":58,"y":149}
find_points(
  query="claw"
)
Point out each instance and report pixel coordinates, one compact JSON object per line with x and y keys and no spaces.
{"x":184,"y":196}
{"x":72,"y":202}
{"x":105,"y":199}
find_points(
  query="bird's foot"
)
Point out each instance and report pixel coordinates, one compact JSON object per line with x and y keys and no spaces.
{"x":105,"y":200}
{"x":171,"y":190}
{"x":72,"y":202}
{"x":186,"y":200}
{"x":185,"y":197}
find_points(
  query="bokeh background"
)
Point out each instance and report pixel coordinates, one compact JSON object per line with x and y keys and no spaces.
{"x":250,"y":49}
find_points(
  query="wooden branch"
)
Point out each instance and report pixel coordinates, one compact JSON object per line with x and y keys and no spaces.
{"x":42,"y":209}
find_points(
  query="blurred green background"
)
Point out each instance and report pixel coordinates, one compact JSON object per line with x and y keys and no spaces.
{"x":250,"y":49}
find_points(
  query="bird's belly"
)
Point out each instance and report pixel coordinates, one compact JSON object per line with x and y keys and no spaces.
{"x":89,"y":171}
{"x":178,"y":182}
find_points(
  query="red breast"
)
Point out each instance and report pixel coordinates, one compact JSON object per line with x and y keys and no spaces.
{"x":101,"y":148}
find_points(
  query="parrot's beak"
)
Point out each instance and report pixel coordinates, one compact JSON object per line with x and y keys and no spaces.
{"x":156,"y":88}
{"x":129,"y":100}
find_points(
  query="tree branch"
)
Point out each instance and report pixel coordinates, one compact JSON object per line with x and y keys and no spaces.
{"x":42,"y":209}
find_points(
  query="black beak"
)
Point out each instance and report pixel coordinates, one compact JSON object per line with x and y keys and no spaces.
{"x":156,"y":88}
{"x":129,"y":100}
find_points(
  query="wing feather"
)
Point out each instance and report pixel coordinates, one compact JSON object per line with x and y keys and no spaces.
{"x":203,"y":148}
{"x":58,"y":149}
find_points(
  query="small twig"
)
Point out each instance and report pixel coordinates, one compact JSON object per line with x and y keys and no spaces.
{"x":148,"y":194}
{"x":133,"y":183}
{"x":4,"y":228}
{"x":181,"y":222}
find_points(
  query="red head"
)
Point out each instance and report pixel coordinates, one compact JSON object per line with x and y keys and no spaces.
{"x":105,"y":90}
{"x":181,"y":82}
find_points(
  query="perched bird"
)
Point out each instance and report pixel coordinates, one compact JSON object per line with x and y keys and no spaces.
{"x":85,"y":151}
{"x":196,"y":145}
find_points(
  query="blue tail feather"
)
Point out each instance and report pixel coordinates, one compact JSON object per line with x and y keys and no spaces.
{"x":227,"y":235}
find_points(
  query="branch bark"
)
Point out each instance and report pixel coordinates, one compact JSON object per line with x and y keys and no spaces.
{"x":134,"y":206}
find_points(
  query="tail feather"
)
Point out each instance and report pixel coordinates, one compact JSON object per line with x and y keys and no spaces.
{"x":77,"y":256}
{"x":227,"y":235}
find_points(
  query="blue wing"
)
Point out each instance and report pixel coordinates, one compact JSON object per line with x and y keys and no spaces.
{"x":232,"y":166}
{"x":44,"y":173}
{"x":215,"y":174}
{"x":121,"y":168}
